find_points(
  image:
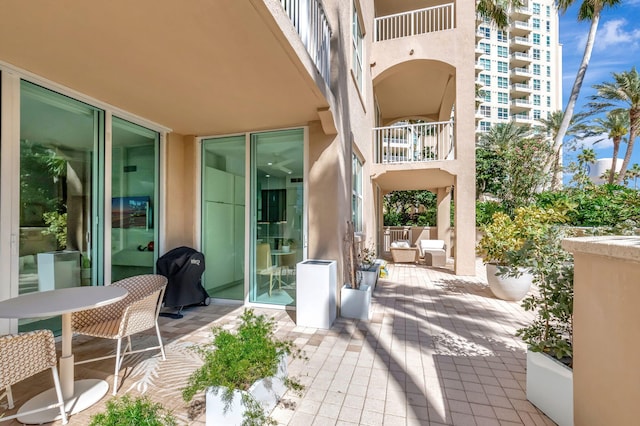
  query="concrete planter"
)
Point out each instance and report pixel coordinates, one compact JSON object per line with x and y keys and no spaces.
{"x":356,"y":303}
{"x":508,"y":288}
{"x":370,"y":275}
{"x":550,"y":387}
{"x":267,"y":392}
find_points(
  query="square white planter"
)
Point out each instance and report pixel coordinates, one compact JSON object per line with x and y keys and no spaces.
{"x":316,"y":283}
{"x":550,"y":387}
{"x":356,"y":303}
{"x":370,"y":276}
{"x":267,"y":392}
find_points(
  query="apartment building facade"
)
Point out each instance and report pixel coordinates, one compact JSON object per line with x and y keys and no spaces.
{"x":251,"y":131}
{"x":519,"y":69}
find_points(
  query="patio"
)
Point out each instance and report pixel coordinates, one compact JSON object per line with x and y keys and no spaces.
{"x":440,"y":349}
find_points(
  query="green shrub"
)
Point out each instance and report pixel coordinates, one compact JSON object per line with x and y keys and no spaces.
{"x":140,"y":411}
{"x":485,"y":211}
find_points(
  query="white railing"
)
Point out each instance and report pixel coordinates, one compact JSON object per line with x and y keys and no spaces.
{"x":521,"y":86}
{"x":392,"y":234}
{"x":520,"y":40}
{"x":422,"y":21}
{"x":414,"y":143}
{"x":521,"y":55}
{"x":520,"y":71}
{"x":311,"y":23}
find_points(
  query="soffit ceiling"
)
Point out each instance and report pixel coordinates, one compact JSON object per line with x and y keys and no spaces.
{"x":410,"y":179}
{"x":389,"y":7}
{"x":413,"y":89}
{"x":199,"y":67}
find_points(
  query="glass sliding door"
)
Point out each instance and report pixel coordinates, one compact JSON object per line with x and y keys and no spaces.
{"x":60,"y":140}
{"x":223,"y":216}
{"x":277,"y":169}
{"x":134,"y":190}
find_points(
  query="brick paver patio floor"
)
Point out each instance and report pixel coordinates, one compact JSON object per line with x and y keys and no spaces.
{"x":440,"y":349}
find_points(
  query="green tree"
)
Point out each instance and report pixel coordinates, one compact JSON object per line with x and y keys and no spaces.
{"x":634,"y":173}
{"x":497,"y":11}
{"x":590,"y":10}
{"x":580,"y":169}
{"x":615,"y":126}
{"x":623,"y":93}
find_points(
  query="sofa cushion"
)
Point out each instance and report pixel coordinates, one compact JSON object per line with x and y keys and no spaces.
{"x":432,"y":244}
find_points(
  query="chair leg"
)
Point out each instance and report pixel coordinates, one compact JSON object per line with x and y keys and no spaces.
{"x":270,"y":283}
{"x":118,"y":361}
{"x":56,"y":383}
{"x":160,"y":342}
{"x":9,"y":396}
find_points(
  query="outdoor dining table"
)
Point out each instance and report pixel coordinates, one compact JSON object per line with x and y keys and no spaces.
{"x":78,"y":395}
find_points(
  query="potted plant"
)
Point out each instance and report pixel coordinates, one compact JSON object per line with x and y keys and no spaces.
{"x":550,"y":335}
{"x":368,"y":266}
{"x":289,"y":244}
{"x":128,"y":411}
{"x":507,"y":277}
{"x":244,"y":373}
{"x":355,"y":296}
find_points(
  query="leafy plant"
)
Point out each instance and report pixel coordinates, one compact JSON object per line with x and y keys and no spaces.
{"x":367,"y":256}
{"x":57,"y":223}
{"x":237,"y":360}
{"x":126,"y":411}
{"x":504,"y":234}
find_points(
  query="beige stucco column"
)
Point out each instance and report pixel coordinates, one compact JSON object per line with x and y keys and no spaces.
{"x":444,"y":216}
{"x":606,"y":376}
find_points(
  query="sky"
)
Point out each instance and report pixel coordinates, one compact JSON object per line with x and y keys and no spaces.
{"x":617,"y":49}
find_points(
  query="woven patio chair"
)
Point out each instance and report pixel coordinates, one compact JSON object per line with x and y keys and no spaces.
{"x":137,"y":312}
{"x":24,"y":355}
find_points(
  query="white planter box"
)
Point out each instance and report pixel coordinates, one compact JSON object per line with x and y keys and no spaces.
{"x":550,"y":387}
{"x":316,"y":282}
{"x":267,"y":392}
{"x":356,"y":303}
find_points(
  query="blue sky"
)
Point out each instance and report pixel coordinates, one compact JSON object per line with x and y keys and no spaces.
{"x":617,"y":49}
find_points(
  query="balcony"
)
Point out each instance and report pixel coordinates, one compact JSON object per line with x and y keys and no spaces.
{"x":520,"y":59}
{"x":522,"y":118}
{"x":521,"y":13}
{"x":415,"y":22}
{"x":479,"y":52}
{"x":520,"y":90}
{"x":479,"y":68}
{"x":519,"y":75}
{"x":310,"y":21}
{"x":520,"y":28}
{"x":520,"y":43}
{"x":519,"y":105}
{"x":413,"y":143}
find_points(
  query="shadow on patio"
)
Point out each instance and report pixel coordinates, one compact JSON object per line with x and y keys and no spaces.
{"x":439,"y":350}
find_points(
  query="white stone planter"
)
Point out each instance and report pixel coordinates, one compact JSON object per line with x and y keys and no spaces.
{"x":356,"y":303}
{"x":508,"y":288}
{"x":550,"y":387}
{"x":370,"y":276}
{"x":267,"y":392}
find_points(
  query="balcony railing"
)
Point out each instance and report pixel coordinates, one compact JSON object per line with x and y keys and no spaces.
{"x":310,"y":21}
{"x":414,"y":143}
{"x":415,"y":22}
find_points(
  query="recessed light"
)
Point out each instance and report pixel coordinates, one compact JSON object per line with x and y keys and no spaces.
{"x":267,"y":175}
{"x":269,"y":164}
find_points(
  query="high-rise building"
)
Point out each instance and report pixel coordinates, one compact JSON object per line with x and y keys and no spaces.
{"x":519,"y":69}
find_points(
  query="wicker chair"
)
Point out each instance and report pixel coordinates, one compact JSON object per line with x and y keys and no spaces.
{"x":137,"y":312}
{"x":24,"y":355}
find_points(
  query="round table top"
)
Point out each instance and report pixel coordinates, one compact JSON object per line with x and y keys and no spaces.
{"x":57,"y":302}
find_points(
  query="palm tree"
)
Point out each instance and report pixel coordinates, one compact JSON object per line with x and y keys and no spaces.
{"x":625,"y":91}
{"x":497,"y":11}
{"x":634,"y":173}
{"x":615,"y":126}
{"x":589,"y":10}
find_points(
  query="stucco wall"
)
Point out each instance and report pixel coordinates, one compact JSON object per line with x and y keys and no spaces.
{"x":606,"y":377}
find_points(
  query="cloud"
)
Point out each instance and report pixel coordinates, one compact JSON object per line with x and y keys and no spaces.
{"x":614,"y":35}
{"x":598,"y":141}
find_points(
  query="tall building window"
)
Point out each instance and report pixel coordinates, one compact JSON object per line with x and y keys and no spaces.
{"x":548,"y":101}
{"x":487,"y":95}
{"x":548,"y":25}
{"x":357,"y":37}
{"x":536,"y":8}
{"x":536,"y":114}
{"x":503,"y":82}
{"x":548,"y":41}
{"x":503,"y":67}
{"x":503,"y":98}
{"x":548,"y":56}
{"x":356,"y":200}
{"x":485,"y":47}
{"x":536,"y":53}
{"x":485,"y":64}
{"x":485,"y":126}
{"x":485,"y":79}
{"x":485,"y":111}
{"x":536,"y":84}
{"x":503,"y":51}
{"x":502,"y":35}
{"x":536,"y":100}
{"x":536,"y":23}
{"x":548,"y":71}
{"x":485,"y":31}
{"x":503,"y":113}
{"x":548,"y":11}
{"x":536,"y":69}
{"x":536,"y":38}
{"x":548,"y":86}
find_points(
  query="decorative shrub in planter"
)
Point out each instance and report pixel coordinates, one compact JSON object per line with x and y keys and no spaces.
{"x":243,"y":371}
{"x":138,"y":411}
{"x":355,"y":296}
